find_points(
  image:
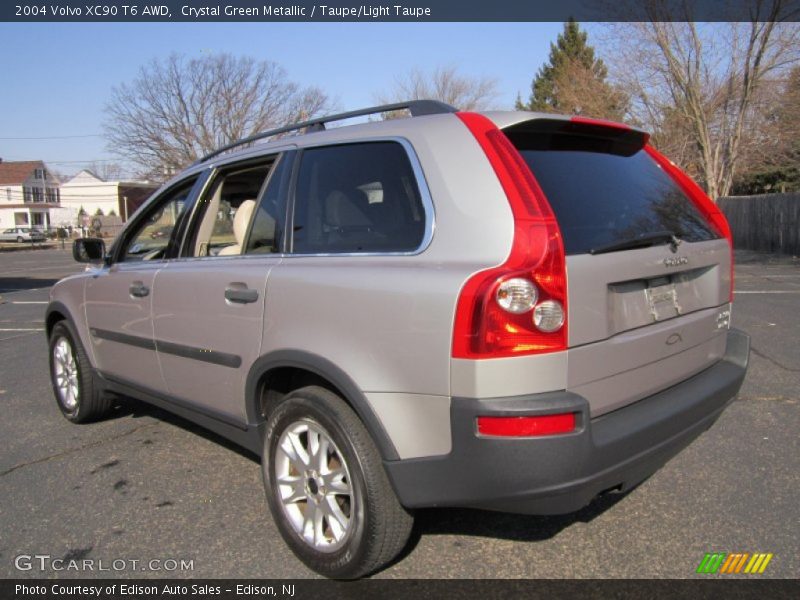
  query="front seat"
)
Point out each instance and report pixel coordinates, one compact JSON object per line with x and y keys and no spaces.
{"x":240,"y":222}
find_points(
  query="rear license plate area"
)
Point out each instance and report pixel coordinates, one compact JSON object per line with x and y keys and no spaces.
{"x":662,"y":299}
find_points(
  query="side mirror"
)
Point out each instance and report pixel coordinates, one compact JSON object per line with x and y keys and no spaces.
{"x":89,"y":250}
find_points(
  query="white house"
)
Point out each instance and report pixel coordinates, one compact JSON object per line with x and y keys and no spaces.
{"x":91,"y":193}
{"x":29,"y":195}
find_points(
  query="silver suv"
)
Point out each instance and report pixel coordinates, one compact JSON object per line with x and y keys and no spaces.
{"x":509,"y":311}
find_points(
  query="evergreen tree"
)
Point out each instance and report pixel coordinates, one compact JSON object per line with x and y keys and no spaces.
{"x":574,"y":81}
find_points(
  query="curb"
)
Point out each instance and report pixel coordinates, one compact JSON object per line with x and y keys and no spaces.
{"x":24,"y":247}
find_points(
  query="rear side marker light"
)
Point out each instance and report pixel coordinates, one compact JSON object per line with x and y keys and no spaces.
{"x":527,"y":426}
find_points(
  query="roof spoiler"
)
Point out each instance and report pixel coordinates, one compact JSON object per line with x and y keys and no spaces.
{"x":623,"y":138}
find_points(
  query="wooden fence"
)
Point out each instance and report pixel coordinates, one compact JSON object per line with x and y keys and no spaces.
{"x":769,"y":223}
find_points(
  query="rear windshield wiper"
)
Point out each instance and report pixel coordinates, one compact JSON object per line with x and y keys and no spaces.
{"x":640,"y":241}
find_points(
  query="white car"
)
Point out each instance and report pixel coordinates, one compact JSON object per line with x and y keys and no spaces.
{"x":22,"y":234}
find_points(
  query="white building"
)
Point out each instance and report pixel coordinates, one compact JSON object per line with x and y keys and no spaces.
{"x":91,"y":193}
{"x":29,"y":195}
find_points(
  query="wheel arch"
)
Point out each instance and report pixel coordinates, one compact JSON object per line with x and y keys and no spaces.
{"x":56,"y":311}
{"x":279,"y":372}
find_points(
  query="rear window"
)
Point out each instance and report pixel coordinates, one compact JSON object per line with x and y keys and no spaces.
{"x":357,"y":198}
{"x":603,"y":193}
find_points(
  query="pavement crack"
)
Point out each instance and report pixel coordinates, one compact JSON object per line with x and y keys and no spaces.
{"x":757,"y":352}
{"x":74,"y":450}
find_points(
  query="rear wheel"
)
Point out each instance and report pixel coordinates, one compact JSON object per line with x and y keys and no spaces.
{"x":20,"y":239}
{"x":77,"y":394}
{"x":327,"y":489}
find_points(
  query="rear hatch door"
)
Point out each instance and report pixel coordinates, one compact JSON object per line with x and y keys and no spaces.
{"x":648,"y":275}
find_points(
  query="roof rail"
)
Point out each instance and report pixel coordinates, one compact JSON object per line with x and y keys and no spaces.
{"x":417,"y":108}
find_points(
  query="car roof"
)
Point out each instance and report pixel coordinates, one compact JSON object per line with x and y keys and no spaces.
{"x":318,"y":132}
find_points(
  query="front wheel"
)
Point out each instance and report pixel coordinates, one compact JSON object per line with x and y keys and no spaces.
{"x":77,"y":393}
{"x":327,"y":489}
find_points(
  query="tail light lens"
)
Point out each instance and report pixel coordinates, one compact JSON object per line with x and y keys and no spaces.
{"x":704,"y":204}
{"x":484,"y":328}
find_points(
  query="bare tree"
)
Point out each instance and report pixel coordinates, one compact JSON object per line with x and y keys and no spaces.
{"x":107,"y":171}
{"x":180,"y":108}
{"x":770,"y":158}
{"x":445,"y":84}
{"x":696,"y":86}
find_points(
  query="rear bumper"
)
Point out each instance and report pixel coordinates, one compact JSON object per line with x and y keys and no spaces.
{"x":561,"y":474}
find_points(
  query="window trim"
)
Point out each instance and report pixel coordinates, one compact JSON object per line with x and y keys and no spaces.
{"x":289,"y":157}
{"x":117,"y":250}
{"x":422,"y":186}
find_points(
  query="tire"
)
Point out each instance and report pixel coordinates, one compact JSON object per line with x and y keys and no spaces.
{"x":370,"y":527}
{"x":20,"y":240}
{"x":77,"y":393}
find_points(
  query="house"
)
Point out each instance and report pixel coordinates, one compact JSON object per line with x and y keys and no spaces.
{"x":29,"y":195}
{"x":92,"y":193}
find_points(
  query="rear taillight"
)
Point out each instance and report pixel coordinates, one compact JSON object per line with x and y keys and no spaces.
{"x":527,"y":426}
{"x":704,"y":204}
{"x":519,"y":307}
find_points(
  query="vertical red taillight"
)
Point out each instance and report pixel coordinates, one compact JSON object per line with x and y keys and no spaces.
{"x":704,"y":204}
{"x":483,"y":327}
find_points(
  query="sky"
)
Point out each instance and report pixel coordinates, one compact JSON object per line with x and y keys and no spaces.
{"x":57,"y":77}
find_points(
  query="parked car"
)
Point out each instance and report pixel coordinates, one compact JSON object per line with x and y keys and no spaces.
{"x":162,"y":232}
{"x":22,"y":234}
{"x":510,"y":311}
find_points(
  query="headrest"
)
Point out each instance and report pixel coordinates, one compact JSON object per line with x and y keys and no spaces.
{"x":242,"y":219}
{"x":343,"y":210}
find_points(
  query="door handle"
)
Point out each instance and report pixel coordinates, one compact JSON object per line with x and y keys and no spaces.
{"x":139,"y":289}
{"x":241,"y":295}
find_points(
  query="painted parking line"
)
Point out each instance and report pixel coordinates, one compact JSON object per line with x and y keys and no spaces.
{"x":29,"y":302}
{"x":23,"y":329}
{"x":767,"y":292}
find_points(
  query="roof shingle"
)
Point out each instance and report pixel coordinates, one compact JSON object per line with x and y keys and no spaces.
{"x":16,"y":172}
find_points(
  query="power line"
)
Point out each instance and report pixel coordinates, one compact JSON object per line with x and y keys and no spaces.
{"x":61,"y":162}
{"x":54,"y":137}
{"x":69,"y":162}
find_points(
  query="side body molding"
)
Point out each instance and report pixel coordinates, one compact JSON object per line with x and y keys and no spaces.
{"x":326,"y":370}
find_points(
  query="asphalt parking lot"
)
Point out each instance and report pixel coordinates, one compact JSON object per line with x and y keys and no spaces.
{"x":149,"y":486}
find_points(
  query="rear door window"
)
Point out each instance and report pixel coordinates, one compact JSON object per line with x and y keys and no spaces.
{"x":357,"y":198}
{"x":603,"y":193}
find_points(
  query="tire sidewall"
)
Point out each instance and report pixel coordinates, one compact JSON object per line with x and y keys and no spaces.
{"x":344,"y":562}
{"x":62,"y":331}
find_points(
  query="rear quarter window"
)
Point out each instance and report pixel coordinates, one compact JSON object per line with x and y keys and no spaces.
{"x":355,"y":198}
{"x":603,"y":193}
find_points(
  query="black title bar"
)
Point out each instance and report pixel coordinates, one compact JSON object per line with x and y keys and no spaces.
{"x":103,"y":11}
{"x":388,"y":589}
